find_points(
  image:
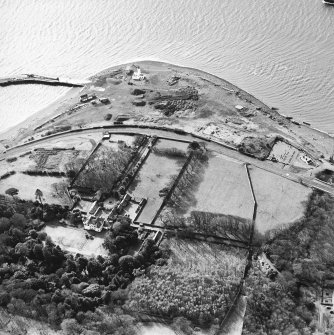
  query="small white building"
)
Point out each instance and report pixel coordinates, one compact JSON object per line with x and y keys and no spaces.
{"x":137,"y":75}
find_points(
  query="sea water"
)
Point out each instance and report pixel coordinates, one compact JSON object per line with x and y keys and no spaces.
{"x":280,"y":51}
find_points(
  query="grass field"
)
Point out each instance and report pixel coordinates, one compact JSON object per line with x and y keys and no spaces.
{"x":27,"y":186}
{"x":169,"y":144}
{"x":224,"y":189}
{"x":153,"y":176}
{"x":74,"y":240}
{"x":280,"y":200}
{"x":20,"y":164}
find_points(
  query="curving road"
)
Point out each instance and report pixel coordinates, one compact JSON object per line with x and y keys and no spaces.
{"x":217,"y":147}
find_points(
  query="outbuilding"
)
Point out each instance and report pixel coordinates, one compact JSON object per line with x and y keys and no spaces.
{"x":239,"y":108}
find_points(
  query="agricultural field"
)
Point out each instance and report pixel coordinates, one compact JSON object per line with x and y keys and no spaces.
{"x":55,"y":159}
{"x":280,"y":201}
{"x":57,"y":154}
{"x":154,"y":175}
{"x":53,"y":155}
{"x":27,"y":186}
{"x":74,"y":240}
{"x":224,"y":189}
{"x":76,"y":141}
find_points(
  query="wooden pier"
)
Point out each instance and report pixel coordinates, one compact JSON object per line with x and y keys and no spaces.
{"x":36,"y":79}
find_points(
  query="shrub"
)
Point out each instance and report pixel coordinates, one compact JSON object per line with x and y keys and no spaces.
{"x":107,"y":117}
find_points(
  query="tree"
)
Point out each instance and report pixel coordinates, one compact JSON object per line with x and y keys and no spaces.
{"x":18,"y":221}
{"x":33,"y":233}
{"x":81,"y":263}
{"x":127,"y":262}
{"x":94,"y":268}
{"x":4,"y":299}
{"x":108,"y":116}
{"x":12,"y":191}
{"x":4,"y":225}
{"x":39,"y":195}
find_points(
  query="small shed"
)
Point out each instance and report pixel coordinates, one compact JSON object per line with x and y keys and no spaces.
{"x":239,"y":108}
{"x":104,"y":100}
{"x":122,"y":117}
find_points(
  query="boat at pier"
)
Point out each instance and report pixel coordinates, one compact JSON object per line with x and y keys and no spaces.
{"x":328,"y":2}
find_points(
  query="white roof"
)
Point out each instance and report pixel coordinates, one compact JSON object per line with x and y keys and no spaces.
{"x":239,"y":107}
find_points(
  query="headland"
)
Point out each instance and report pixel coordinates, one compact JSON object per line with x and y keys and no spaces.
{"x":154,"y":169}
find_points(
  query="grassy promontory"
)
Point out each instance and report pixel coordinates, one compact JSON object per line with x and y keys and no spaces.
{"x":172,"y":96}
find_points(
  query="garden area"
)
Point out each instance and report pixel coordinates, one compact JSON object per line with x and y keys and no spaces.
{"x":74,"y":240}
{"x":26,"y":186}
{"x":156,"y":175}
{"x":103,"y":168}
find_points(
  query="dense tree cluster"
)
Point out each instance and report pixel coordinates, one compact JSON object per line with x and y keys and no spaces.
{"x":303,"y":255}
{"x":41,"y":281}
{"x":171,"y":291}
{"x":271,"y":309}
{"x":305,"y":250}
{"x":326,"y":175}
{"x":103,"y":168}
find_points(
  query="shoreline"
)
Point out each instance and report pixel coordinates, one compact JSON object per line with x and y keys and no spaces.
{"x":50,"y":110}
{"x":41,"y":114}
{"x":253,"y":97}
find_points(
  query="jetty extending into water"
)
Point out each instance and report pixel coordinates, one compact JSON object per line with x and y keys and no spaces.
{"x":36,"y":79}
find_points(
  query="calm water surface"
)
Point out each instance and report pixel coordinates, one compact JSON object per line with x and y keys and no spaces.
{"x":280,"y":51}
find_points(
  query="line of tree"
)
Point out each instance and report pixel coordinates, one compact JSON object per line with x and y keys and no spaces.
{"x":170,"y":152}
{"x":209,"y":224}
{"x":183,"y":196}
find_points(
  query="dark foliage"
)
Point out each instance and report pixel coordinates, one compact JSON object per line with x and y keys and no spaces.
{"x":41,"y":281}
